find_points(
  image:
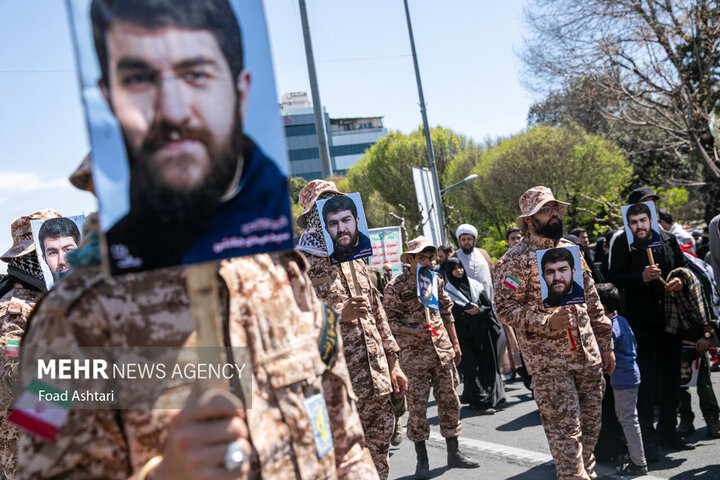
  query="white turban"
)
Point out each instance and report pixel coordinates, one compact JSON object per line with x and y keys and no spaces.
{"x":465,"y":228}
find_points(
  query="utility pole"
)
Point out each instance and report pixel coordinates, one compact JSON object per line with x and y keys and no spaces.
{"x":323,"y":146}
{"x":428,"y":139}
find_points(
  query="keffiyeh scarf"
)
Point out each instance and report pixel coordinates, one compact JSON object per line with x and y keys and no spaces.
{"x":312,"y":240}
{"x":27,"y":269}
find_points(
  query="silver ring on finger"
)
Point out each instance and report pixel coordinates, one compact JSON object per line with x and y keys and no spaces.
{"x":234,"y":456}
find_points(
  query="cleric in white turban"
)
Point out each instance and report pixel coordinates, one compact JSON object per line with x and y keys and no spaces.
{"x":476,"y":261}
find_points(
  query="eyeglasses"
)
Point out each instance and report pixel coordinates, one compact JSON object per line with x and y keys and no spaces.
{"x":547,"y":210}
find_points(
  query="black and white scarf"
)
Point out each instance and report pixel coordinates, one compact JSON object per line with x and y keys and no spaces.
{"x":312,"y":240}
{"x":27,"y":270}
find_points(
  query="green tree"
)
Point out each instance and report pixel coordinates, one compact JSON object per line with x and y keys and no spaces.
{"x":383,"y":176}
{"x":582,"y":169}
{"x":655,"y":63}
{"x":655,"y":159}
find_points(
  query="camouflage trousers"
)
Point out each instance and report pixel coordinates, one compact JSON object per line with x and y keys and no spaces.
{"x":570,"y":404}
{"x":423,"y":370}
{"x":378,"y":420}
{"x":8,"y":447}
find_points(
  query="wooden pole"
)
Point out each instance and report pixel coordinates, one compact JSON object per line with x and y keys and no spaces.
{"x":651,"y":259}
{"x":203,"y":292}
{"x":356,"y":284}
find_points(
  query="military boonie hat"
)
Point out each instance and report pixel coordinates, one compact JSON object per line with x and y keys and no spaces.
{"x":22,"y":236}
{"x":532,"y":201}
{"x":309,"y":195}
{"x":642,"y":192}
{"x":417,"y":245}
{"x":82,"y":176}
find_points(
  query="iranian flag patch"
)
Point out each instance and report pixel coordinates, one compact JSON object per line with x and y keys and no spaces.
{"x":12,"y":349}
{"x":512,"y":282}
{"x":41,"y":409}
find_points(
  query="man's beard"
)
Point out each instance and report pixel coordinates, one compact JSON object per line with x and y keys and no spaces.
{"x":153,"y":200}
{"x":468,"y":250}
{"x":640,"y":242}
{"x":554,"y":299}
{"x":548,"y":230}
{"x":341,"y":252}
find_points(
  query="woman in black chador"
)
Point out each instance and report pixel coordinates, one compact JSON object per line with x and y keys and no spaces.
{"x":478,"y":331}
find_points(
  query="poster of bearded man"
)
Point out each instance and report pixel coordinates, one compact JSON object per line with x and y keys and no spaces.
{"x":189,"y":158}
{"x":346,"y":232}
{"x":54,"y":239}
{"x":427,"y":287}
{"x":561,"y":279}
{"x":641,"y":226}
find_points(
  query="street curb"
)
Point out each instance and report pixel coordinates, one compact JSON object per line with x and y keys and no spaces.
{"x":521,"y":457}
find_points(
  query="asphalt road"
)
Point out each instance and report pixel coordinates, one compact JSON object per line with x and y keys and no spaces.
{"x":511,"y":445}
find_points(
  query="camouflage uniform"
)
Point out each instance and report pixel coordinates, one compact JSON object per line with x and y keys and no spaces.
{"x":19,"y":292}
{"x":15,"y":306}
{"x":426,"y":361}
{"x":568,"y":388}
{"x":366,"y":341}
{"x":268,"y":306}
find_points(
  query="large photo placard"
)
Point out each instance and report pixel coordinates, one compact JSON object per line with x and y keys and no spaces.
{"x":561,"y":278}
{"x":189,"y":159}
{"x":641,"y":226}
{"x":54,"y":239}
{"x":345,"y":228}
{"x":427,"y":287}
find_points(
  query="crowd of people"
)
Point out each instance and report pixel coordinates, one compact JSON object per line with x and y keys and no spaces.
{"x":597,"y":399}
{"x":334,"y":353}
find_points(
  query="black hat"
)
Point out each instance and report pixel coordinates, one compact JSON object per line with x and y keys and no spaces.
{"x":642,"y":192}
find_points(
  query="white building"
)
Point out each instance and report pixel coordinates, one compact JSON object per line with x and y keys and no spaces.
{"x":349,"y":138}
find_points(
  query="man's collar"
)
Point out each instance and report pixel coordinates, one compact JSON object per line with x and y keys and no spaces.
{"x":538,"y":241}
{"x":245,"y":159}
{"x":234,"y":187}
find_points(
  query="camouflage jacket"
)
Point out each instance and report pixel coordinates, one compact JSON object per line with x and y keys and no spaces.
{"x":366,"y":340}
{"x":543,"y":349}
{"x":404,"y":309}
{"x":267,"y":306}
{"x":15,"y":306}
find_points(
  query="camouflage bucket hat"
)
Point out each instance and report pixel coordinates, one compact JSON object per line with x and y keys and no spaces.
{"x":309,"y":195}
{"x":532,"y":201}
{"x":81,"y":178}
{"x":22,"y":236}
{"x":417,"y":245}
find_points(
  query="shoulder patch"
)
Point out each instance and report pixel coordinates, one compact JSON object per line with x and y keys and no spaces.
{"x":328,"y":338}
{"x":320,"y":423}
{"x":511,"y":282}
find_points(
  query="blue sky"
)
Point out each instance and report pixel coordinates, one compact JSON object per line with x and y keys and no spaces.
{"x":466,"y":48}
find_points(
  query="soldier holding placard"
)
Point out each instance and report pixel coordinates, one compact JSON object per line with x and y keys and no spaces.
{"x":175,"y":77}
{"x":19,"y":291}
{"x":429,"y":353}
{"x":334,"y":244}
{"x":566,"y":347}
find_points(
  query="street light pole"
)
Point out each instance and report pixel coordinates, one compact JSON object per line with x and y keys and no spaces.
{"x":323,"y":146}
{"x":467,"y":179}
{"x":428,"y":139}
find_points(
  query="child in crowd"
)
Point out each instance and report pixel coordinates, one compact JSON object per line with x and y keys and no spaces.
{"x":625,"y":381}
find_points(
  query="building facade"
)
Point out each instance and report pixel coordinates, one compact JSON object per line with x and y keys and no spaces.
{"x":349,"y":138}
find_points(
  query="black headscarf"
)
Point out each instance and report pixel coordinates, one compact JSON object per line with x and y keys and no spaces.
{"x":462,"y":284}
